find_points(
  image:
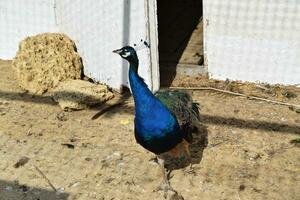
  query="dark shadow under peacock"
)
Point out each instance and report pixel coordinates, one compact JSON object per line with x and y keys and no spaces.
{"x":163,"y":122}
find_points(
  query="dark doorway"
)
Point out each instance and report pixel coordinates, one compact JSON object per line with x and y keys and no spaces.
{"x":180,"y":34}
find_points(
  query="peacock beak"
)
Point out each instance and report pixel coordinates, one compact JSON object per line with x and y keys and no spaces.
{"x":118,"y":51}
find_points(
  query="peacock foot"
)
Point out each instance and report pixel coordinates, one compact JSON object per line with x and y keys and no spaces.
{"x":165,"y":188}
{"x":190,"y":170}
{"x":169,"y":192}
{"x":171,"y":195}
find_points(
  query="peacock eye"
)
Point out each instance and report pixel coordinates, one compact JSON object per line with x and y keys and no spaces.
{"x":126,"y":54}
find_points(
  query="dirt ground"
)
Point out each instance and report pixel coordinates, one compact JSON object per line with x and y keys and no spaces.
{"x":251,"y":151}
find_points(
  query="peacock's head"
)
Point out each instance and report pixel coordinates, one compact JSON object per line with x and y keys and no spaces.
{"x":127,"y":52}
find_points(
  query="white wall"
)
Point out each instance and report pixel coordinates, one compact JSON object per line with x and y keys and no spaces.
{"x":22,"y":18}
{"x":98,"y":27}
{"x":257,"y":40}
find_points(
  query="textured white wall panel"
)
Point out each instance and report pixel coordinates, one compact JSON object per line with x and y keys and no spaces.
{"x":22,"y":18}
{"x":98,"y":27}
{"x":257,"y":40}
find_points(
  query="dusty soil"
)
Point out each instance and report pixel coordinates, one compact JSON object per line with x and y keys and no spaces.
{"x":251,"y":151}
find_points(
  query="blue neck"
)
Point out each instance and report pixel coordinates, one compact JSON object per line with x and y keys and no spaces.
{"x":141,"y":93}
{"x":156,"y":128}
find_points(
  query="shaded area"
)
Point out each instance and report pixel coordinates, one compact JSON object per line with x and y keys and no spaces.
{"x":250,"y":124}
{"x":199,"y":143}
{"x":48,"y":98}
{"x":176,"y":22}
{"x":219,"y":120}
{"x":196,"y":147}
{"x":109,"y":109}
{"x":114,"y":103}
{"x":27,"y":97}
{"x":16,"y":191}
{"x":125,"y":37}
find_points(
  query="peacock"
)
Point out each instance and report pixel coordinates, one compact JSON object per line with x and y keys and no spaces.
{"x":163,"y":122}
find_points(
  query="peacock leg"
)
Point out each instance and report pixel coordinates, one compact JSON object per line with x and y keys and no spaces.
{"x":189,"y":170}
{"x":166,"y":183}
{"x":169,"y":192}
{"x":161,"y":163}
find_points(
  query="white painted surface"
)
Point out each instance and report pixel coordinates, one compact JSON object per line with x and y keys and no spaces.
{"x":151,"y":11}
{"x":256,"y":40}
{"x":97,"y":27}
{"x":19,"y":19}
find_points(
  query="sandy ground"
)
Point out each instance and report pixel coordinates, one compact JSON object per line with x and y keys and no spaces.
{"x":248,"y":155}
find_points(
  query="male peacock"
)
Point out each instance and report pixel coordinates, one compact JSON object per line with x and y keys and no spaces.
{"x":163,"y":123}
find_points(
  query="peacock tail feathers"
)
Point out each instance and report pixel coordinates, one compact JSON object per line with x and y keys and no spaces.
{"x":182,"y":106}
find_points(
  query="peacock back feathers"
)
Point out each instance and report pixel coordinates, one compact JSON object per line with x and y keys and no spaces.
{"x":182,"y":106}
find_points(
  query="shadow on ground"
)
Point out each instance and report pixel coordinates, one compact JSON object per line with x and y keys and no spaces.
{"x":121,"y":105}
{"x":17,"y":191}
{"x":199,"y":143}
{"x":250,"y":124}
{"x":275,"y":127}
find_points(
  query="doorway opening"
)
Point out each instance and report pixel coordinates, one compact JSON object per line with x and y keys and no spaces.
{"x":180,"y":35}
